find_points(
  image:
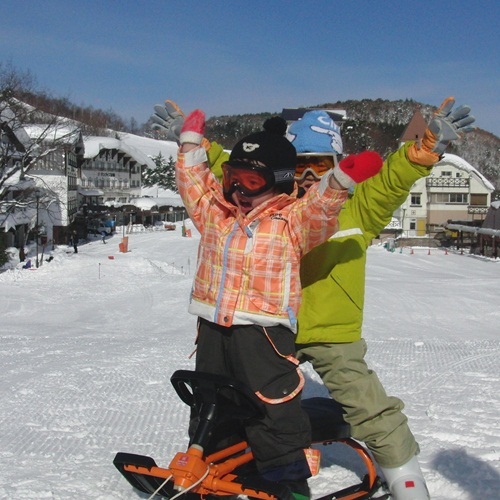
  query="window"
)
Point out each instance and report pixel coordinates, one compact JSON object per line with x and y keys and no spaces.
{"x":435,"y":228}
{"x":416,"y":199}
{"x":445,"y":173}
{"x":479,"y":200}
{"x":459,"y":197}
{"x":413,"y":225}
{"x":449,"y":198}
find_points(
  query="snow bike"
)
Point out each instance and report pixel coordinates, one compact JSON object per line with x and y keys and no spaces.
{"x":222,"y":406}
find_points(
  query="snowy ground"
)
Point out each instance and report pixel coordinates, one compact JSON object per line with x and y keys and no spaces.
{"x":89,"y":342}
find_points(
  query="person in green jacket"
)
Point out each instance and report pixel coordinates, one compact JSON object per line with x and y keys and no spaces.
{"x":333,"y":281}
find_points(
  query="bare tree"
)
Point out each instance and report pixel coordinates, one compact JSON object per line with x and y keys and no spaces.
{"x":23,"y":154}
{"x":33,"y":145}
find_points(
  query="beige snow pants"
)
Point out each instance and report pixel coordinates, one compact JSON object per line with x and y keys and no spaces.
{"x":375,"y":418}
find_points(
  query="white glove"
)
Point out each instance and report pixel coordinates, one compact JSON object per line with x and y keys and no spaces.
{"x":168,"y":119}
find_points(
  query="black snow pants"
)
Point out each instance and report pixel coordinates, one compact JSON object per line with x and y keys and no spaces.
{"x":261,"y":358}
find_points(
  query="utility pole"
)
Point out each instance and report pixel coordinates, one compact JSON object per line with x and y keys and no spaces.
{"x":37,"y":194}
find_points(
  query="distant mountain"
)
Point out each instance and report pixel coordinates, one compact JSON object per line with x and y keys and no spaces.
{"x":373,"y":124}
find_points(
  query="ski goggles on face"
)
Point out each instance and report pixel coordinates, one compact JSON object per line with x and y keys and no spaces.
{"x":316,"y":165}
{"x":249,"y":180}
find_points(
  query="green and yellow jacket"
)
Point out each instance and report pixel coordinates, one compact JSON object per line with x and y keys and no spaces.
{"x":333,"y":274}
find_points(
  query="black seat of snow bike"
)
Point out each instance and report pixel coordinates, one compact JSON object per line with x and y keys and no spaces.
{"x":232,"y":399}
{"x":235,"y":401}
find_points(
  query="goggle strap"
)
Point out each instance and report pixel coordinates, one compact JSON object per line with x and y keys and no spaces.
{"x":281,"y":176}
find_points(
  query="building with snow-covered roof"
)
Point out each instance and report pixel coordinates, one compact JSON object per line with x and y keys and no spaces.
{"x":110,"y":185}
{"x":43,"y":192}
{"x":150,"y":147}
{"x":454,"y":190}
{"x":16,"y":215}
{"x":112,"y":169}
{"x":71,"y":180}
{"x":12,"y":131}
{"x":56,"y":172}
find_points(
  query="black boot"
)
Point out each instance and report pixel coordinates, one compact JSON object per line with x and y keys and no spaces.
{"x":300,"y":489}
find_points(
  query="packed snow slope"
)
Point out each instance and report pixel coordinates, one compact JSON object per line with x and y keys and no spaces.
{"x":90,"y":340}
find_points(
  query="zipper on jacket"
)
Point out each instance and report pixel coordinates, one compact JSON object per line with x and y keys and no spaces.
{"x":224,"y":271}
{"x":250,"y":230}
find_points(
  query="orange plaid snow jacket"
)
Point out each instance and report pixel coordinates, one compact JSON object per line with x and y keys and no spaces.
{"x":248,"y":266}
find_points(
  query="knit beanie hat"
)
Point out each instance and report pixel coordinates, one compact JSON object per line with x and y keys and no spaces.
{"x":270,"y":148}
{"x":316,"y":132}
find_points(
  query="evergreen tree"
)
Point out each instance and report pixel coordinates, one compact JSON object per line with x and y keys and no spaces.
{"x":163,"y":175}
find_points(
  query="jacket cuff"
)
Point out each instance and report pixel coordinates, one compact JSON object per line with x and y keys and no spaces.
{"x":422,"y":156}
{"x":194,"y":157}
{"x":342,"y":178}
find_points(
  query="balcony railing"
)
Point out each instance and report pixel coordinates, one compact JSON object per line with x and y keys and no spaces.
{"x":450,"y":182}
{"x":474,"y":209}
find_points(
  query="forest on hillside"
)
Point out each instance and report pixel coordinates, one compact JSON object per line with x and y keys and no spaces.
{"x":374,"y":124}
{"x":371,"y":123}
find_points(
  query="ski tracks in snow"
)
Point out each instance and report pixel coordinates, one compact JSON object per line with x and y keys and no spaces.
{"x":80,"y":383}
{"x":88,"y":347}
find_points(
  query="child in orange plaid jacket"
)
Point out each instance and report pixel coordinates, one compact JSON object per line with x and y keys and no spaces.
{"x":246,"y":293}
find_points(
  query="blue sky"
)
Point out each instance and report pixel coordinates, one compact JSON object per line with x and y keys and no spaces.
{"x":232,"y":57}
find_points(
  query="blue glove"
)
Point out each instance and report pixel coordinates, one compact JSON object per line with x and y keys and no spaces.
{"x":316,"y":132}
